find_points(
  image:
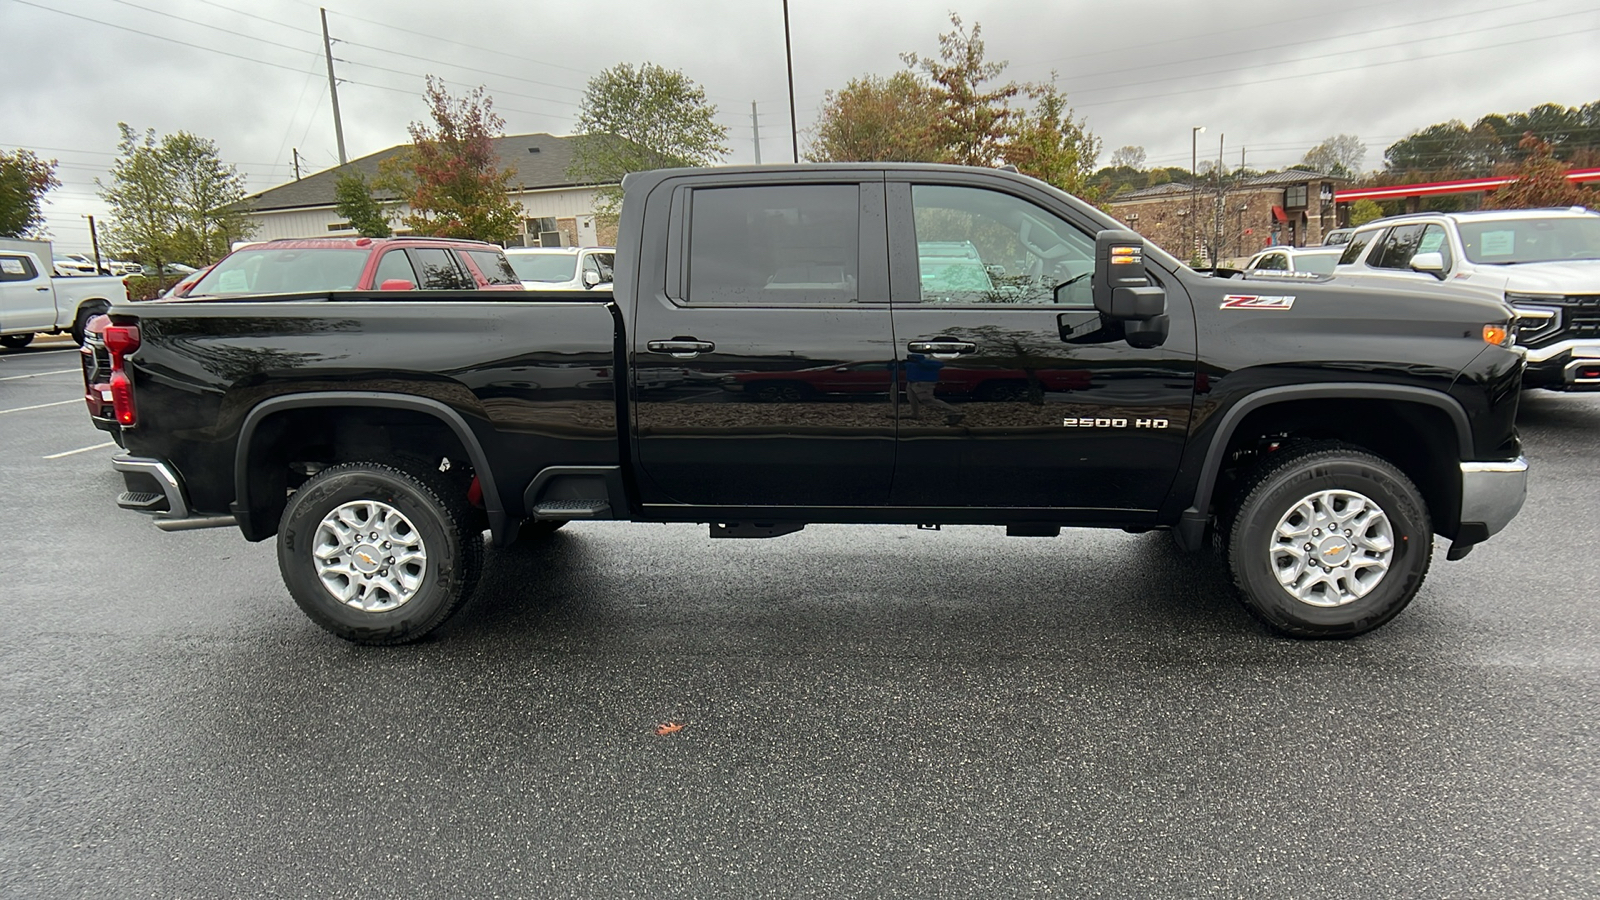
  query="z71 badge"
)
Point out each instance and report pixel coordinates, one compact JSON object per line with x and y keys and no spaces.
{"x":1251,"y":301}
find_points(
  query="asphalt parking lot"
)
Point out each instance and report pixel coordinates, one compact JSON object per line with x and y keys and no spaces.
{"x":865,"y":711}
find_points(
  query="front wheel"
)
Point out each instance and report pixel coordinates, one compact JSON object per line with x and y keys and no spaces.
{"x":378,"y":554}
{"x":16,"y":341}
{"x":1329,"y":542}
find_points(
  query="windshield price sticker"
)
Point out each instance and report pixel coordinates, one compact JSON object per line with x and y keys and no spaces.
{"x":1498,"y":243}
{"x":12,"y":267}
{"x":1251,"y":301}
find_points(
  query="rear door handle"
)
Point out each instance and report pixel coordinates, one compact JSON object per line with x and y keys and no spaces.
{"x":942,"y":349}
{"x":681,"y":348}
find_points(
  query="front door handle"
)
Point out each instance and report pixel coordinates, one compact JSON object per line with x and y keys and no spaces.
{"x":681,"y":348}
{"x":942,"y":349}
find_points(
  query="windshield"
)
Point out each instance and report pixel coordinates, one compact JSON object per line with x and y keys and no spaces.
{"x":1511,"y":241}
{"x":544,"y":266}
{"x":284,"y":271}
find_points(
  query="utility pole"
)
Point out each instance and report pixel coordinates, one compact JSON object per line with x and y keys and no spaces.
{"x":1216,"y":220}
{"x":788,"y":53}
{"x":1194,"y":187}
{"x":94,"y":240}
{"x":296,"y":155}
{"x":755,"y":131}
{"x":333,"y":87}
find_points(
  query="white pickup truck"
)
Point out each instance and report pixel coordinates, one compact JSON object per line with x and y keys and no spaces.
{"x":34,"y":301}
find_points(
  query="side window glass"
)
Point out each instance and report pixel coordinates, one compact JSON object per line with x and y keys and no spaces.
{"x":774,"y":246}
{"x":493,"y":265}
{"x":1273,"y":262}
{"x":438,"y":270}
{"x":1434,"y":241}
{"x":17,"y":268}
{"x":607,"y":262}
{"x":1352,"y":248}
{"x":982,"y":246}
{"x":394,"y":267}
{"x":1398,"y":248}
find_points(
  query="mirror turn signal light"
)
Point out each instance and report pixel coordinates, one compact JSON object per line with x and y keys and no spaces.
{"x":1498,"y":335}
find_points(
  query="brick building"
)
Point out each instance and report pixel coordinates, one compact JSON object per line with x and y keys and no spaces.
{"x":1294,"y":207}
{"x":555,"y":210}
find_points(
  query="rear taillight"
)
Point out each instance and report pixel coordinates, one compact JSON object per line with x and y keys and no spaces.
{"x":122,"y":398}
{"x":120,"y":341}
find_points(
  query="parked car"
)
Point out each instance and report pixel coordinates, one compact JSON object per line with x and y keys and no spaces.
{"x":1313,"y":260}
{"x":1323,"y":432}
{"x":68,"y":266}
{"x":562,"y":268}
{"x":320,"y":265}
{"x":1544,"y":262}
{"x":35,"y":301}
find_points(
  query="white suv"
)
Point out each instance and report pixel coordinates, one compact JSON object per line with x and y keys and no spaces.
{"x":1544,"y":262}
{"x":562,"y":268}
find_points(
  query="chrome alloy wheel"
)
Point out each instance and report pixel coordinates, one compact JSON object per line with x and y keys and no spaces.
{"x":1332,"y":548}
{"x":369,"y":556}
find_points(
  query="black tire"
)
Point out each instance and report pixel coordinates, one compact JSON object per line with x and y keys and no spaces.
{"x":1275,"y":489}
{"x":81,"y":323}
{"x":442,"y":519}
{"x":16,"y":341}
{"x":535,"y":529}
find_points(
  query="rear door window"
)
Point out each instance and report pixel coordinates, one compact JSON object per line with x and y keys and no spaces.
{"x":774,"y":245}
{"x":494,"y":267}
{"x":439,"y":271}
{"x":395,"y":267}
{"x":1357,"y":243}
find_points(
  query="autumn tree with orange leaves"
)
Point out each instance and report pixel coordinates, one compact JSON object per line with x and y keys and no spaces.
{"x":450,"y":176}
{"x":1541,"y":181}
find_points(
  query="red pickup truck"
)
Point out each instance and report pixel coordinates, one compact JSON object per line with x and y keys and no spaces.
{"x":300,"y":265}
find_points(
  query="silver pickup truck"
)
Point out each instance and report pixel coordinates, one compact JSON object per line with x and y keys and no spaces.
{"x":34,"y":301}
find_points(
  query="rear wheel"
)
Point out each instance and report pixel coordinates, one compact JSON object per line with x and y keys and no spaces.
{"x":1328,"y":542}
{"x":16,"y":341}
{"x":379,"y":554}
{"x":81,"y":323}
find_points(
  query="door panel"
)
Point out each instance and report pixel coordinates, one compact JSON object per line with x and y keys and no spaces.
{"x":26,"y":300}
{"x":767,"y":380}
{"x":1047,"y":408}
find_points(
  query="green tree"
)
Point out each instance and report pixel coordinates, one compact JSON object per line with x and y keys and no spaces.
{"x":1338,"y":155}
{"x":450,"y":175}
{"x":206,"y":194}
{"x":974,"y":120}
{"x":636,"y":119}
{"x":1541,"y":182}
{"x":1364,"y":211}
{"x":1052,"y":146}
{"x":24,"y":180}
{"x":354,"y":200}
{"x":876,"y":119}
{"x":143,"y":201}
{"x":172,"y":200}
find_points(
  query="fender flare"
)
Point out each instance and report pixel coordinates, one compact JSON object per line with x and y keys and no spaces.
{"x":1190,"y":530}
{"x":449,"y":416}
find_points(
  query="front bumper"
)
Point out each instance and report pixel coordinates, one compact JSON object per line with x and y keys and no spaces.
{"x":1572,"y":365}
{"x":1491,"y":495}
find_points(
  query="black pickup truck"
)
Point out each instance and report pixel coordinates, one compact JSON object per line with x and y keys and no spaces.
{"x":789,"y":345}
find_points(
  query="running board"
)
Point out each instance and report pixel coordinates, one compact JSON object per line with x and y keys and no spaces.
{"x":572,"y":509}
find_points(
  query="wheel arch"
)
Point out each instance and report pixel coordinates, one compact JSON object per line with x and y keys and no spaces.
{"x":1403,"y":416}
{"x":255,"y":517}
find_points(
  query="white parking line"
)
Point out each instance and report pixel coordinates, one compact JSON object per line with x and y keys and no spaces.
{"x":40,"y":406}
{"x":39,"y":374}
{"x":82,"y":450}
{"x":21,"y":356}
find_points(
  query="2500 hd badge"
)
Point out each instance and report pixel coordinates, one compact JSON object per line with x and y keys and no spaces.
{"x":1113,"y":423}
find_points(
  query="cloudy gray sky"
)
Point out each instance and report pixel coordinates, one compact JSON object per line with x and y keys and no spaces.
{"x":1271,"y":78}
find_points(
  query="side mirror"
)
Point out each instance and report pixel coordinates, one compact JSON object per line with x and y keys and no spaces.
{"x":1118,"y":263}
{"x":1431,"y":262}
{"x":396,"y":284}
{"x":591,"y":277}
